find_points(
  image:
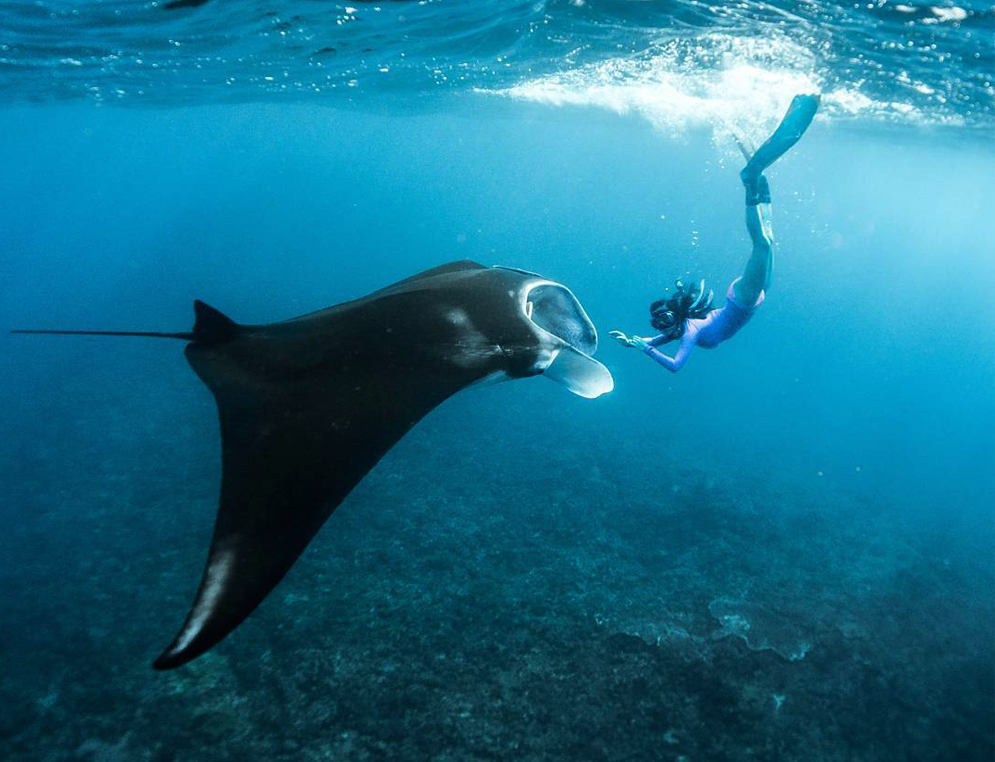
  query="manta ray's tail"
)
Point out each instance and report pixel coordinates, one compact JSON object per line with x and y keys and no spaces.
{"x":146,"y":334}
{"x":210,"y":327}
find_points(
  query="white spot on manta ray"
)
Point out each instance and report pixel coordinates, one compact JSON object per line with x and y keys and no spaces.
{"x":473,"y":345}
{"x":458,"y":316}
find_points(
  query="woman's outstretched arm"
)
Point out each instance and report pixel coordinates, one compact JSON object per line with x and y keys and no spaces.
{"x":675,"y":363}
{"x":649,"y":347}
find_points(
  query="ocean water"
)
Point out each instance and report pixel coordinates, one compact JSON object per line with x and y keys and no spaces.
{"x":786,"y":551}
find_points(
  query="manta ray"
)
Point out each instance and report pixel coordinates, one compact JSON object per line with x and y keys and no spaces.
{"x":309,"y":405}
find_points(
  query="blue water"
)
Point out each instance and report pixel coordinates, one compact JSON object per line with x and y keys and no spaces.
{"x":903,"y":61}
{"x":784,"y":552}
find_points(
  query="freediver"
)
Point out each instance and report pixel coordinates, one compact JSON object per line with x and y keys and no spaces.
{"x":687,"y":315}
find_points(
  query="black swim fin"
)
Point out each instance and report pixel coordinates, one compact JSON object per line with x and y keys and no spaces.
{"x":799,"y":116}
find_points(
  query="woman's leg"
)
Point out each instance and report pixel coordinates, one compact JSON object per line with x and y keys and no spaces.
{"x":757,"y":275}
{"x":759,"y":268}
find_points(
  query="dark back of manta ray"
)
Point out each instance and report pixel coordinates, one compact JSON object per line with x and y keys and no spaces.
{"x":308,"y":406}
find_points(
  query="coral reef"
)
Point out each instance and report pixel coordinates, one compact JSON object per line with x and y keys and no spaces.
{"x":760,"y":628}
{"x":467,"y":604}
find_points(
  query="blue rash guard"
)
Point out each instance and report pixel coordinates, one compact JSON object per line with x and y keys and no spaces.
{"x":707,"y":332}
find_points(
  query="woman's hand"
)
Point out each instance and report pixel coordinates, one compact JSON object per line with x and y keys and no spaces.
{"x":629,"y":341}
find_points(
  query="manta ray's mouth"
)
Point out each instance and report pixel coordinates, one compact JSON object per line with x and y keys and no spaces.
{"x":559,"y":317}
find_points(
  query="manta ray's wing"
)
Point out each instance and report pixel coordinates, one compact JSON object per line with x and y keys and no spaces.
{"x":449,"y":268}
{"x":306,"y":409}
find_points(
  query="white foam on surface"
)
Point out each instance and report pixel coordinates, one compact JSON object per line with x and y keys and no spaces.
{"x":720,"y":81}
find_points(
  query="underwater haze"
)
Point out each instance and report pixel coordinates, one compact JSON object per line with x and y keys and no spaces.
{"x":786,"y":551}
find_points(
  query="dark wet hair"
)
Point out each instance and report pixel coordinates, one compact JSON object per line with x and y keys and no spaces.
{"x":689,"y":301}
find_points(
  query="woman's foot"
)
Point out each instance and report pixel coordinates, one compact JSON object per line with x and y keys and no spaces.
{"x":757,"y":190}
